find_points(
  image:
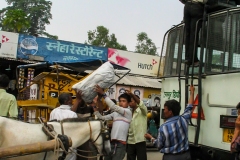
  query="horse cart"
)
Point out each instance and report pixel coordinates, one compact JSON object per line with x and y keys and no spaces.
{"x":23,"y":150}
{"x":38,"y":95}
{"x":52,"y":140}
{"x":20,"y":140}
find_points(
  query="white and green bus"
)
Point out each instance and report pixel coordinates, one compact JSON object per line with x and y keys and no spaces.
{"x":217,"y":82}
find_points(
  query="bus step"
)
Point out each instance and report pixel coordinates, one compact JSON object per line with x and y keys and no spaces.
{"x":184,"y":78}
{"x":193,"y":105}
{"x":193,"y":125}
{"x":193,"y":85}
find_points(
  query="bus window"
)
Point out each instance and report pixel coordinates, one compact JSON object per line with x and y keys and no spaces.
{"x":174,"y":42}
{"x":223,"y":47}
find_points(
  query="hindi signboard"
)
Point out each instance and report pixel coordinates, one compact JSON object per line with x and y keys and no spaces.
{"x":58,"y":51}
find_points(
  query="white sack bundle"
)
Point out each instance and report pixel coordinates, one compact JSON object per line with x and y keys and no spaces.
{"x":103,"y":76}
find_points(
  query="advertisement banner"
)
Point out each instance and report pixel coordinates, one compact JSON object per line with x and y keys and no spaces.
{"x":111,"y":92}
{"x":120,"y":90}
{"x":58,"y":51}
{"x":138,"y":91}
{"x":141,"y":64}
{"x":156,"y":100}
{"x":33,"y":92}
{"x":8,"y":44}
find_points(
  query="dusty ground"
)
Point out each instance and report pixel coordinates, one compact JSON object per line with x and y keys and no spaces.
{"x":152,"y":154}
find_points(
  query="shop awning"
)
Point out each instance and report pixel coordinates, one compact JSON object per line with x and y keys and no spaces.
{"x":91,"y":65}
{"x":140,"y":82}
{"x":17,"y":60}
{"x":39,"y":64}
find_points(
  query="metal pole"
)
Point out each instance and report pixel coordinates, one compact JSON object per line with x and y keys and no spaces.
{"x":200,"y":82}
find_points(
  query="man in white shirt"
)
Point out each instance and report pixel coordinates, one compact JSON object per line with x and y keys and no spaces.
{"x":63,"y":112}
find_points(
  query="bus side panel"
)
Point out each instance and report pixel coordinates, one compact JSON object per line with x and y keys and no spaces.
{"x":171,"y":85}
{"x":222,"y":90}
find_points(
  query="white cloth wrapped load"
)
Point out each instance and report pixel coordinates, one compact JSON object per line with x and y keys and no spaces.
{"x":103,"y":76}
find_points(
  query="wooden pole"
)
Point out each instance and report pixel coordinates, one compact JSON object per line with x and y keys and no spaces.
{"x":29,"y":148}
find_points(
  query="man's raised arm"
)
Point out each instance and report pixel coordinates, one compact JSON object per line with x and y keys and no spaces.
{"x":187,"y":111}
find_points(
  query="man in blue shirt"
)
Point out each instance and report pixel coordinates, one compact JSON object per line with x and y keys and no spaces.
{"x":173,"y":134}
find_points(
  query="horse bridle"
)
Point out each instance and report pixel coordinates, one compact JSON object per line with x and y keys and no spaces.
{"x":105,"y":135}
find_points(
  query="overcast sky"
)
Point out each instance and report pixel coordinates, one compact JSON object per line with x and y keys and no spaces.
{"x":126,"y":18}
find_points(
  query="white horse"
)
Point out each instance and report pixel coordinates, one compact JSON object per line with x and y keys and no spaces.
{"x":14,"y":133}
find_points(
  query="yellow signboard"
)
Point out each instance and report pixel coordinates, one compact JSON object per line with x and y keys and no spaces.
{"x":53,"y":85}
{"x":48,"y":87}
{"x":228,"y":135}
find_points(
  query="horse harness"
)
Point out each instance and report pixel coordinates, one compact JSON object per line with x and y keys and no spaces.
{"x":105,"y":135}
{"x":48,"y":129}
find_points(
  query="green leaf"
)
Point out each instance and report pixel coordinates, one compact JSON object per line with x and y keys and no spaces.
{"x":145,"y":44}
{"x":101,"y":37}
{"x":30,"y":16}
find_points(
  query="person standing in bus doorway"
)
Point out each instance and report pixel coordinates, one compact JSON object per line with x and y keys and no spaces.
{"x":136,"y":143}
{"x":172,"y":137}
{"x":235,"y":143}
{"x":193,"y":11}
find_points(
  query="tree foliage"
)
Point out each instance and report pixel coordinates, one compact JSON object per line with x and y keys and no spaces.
{"x":15,"y":21}
{"x":145,"y":45}
{"x":37,"y":11}
{"x":101,"y":37}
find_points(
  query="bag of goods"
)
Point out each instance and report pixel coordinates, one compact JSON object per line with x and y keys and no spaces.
{"x":104,"y":77}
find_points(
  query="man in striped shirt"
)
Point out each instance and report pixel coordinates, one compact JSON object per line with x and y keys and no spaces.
{"x":172,"y":137}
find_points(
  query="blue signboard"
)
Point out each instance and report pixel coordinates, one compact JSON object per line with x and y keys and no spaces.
{"x":58,"y":51}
